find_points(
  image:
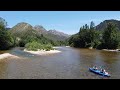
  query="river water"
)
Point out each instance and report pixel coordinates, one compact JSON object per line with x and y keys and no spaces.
{"x":71,"y":63}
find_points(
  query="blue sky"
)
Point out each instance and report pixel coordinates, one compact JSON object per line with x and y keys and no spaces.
{"x":65,"y":21}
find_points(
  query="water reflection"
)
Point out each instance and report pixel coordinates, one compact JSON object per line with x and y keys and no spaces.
{"x":88,"y":57}
{"x":71,"y":63}
{"x":109,"y":57}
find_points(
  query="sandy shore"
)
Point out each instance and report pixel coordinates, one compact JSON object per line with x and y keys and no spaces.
{"x":57,"y":47}
{"x":43,"y":52}
{"x":7,"y":55}
{"x":60,"y":47}
{"x":116,"y":50}
{"x":67,"y":46}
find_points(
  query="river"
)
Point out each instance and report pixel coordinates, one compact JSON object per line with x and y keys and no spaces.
{"x":71,"y":63}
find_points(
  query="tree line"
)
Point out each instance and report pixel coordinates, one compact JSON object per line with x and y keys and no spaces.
{"x":88,"y":36}
{"x":8,"y":40}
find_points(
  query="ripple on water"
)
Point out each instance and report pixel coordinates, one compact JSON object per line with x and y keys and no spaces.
{"x":71,"y":63}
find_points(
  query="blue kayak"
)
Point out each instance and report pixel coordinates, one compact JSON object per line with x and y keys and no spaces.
{"x":99,"y":72}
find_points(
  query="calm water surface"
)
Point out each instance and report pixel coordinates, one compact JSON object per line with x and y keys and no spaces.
{"x":71,"y":63}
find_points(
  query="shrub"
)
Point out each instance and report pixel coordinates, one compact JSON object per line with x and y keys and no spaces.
{"x":48,"y":47}
{"x":34,"y":46}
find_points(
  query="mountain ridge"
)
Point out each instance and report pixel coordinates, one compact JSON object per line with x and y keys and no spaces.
{"x":51,"y":34}
{"x":102,"y":25}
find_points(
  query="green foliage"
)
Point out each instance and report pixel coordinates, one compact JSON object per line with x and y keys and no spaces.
{"x":75,"y":41}
{"x":111,"y":37}
{"x":48,"y":47}
{"x":34,"y":46}
{"x":39,"y":38}
{"x":27,"y":34}
{"x":90,"y":37}
{"x":86,"y":37}
{"x":92,"y":25}
{"x":31,"y":36}
{"x":3,"y":23}
{"x":6,"y":40}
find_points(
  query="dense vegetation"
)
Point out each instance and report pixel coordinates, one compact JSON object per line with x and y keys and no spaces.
{"x":6,"y":40}
{"x":110,"y":37}
{"x":34,"y":46}
{"x":88,"y":36}
{"x":23,"y":35}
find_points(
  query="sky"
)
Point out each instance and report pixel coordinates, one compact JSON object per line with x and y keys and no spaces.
{"x":65,"y":21}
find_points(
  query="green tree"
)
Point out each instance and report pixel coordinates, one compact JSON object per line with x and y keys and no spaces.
{"x":93,"y":35}
{"x":111,"y":37}
{"x":3,"y":24}
{"x":86,"y":37}
{"x":92,"y":25}
{"x":74,"y":41}
{"x":6,"y":40}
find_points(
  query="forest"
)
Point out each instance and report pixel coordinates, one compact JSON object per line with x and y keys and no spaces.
{"x":29,"y":38}
{"x":87,"y":37}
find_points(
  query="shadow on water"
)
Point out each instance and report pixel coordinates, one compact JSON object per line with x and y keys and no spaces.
{"x":111,"y":62}
{"x":109,"y":57}
{"x":89,"y":57}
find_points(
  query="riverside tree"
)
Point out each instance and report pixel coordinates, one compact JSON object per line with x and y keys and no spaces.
{"x":111,"y":37}
{"x":6,"y":40}
{"x":86,"y":37}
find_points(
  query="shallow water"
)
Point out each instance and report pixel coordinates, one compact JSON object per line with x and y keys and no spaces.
{"x":71,"y":63}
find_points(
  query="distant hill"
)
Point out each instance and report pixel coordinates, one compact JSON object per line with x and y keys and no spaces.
{"x":55,"y":32}
{"x":56,"y":35}
{"x":51,"y":34}
{"x":103,"y":24}
{"x":20,"y":29}
{"x":40,"y":29}
{"x":24,"y":28}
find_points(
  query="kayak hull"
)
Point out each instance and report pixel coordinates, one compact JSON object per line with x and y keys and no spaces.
{"x":99,"y":72}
